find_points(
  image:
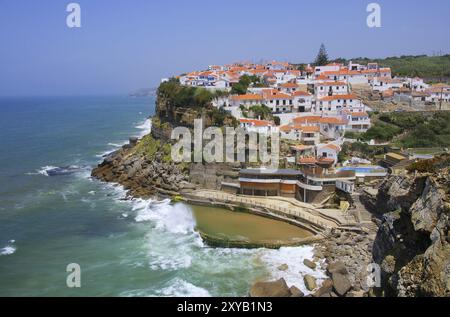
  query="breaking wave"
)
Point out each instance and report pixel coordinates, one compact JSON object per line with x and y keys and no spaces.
{"x":145,"y":127}
{"x":9,"y":249}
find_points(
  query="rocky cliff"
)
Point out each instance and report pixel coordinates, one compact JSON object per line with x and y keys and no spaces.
{"x":144,"y":167}
{"x":413,"y":242}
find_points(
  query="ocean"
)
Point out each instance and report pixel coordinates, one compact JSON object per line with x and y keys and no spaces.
{"x":52,"y":213}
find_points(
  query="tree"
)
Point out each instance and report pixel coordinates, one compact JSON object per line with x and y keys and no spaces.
{"x":245,"y":81}
{"x":301,"y":67}
{"x":322,"y":56}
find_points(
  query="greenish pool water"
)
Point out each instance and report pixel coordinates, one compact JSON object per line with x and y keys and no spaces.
{"x":238,"y":226}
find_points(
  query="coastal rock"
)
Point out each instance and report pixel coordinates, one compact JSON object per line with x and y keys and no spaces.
{"x":295,"y":292}
{"x":310,"y":264}
{"x":341,"y":283}
{"x":388,"y":264}
{"x":143,"y":170}
{"x":270,"y":289}
{"x":337,"y":267}
{"x":411,"y":245}
{"x":326,"y":288}
{"x":283,"y":267}
{"x":310,"y":282}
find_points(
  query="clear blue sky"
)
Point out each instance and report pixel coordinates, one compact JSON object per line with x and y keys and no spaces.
{"x":124,"y":45}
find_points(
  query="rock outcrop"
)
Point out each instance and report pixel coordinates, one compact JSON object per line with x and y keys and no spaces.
{"x":142,"y":172}
{"x":347,"y":256}
{"x":413,"y":243}
{"x":272,"y":289}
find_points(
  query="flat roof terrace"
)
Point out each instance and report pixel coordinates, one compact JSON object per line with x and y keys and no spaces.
{"x":271,"y":172}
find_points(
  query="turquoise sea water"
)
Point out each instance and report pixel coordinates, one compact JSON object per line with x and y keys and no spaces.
{"x":124,"y":248}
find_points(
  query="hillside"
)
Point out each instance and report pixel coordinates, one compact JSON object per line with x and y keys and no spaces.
{"x":411,"y":130}
{"x":428,"y":67}
{"x":427,"y":132}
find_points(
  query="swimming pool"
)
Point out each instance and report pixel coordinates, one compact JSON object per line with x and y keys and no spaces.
{"x":364,"y":169}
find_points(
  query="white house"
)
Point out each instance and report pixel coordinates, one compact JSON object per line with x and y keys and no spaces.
{"x":439,"y":92}
{"x":418,"y":84}
{"x":277,"y":101}
{"x":246,"y":100}
{"x":302,"y":101}
{"x":258,"y":126}
{"x":357,"y":121}
{"x":330,"y":88}
{"x":288,"y":88}
{"x":328,"y":151}
{"x":308,"y":135}
{"x":334,"y":67}
{"x":337,"y":103}
{"x":385,"y":83}
{"x":345,"y":75}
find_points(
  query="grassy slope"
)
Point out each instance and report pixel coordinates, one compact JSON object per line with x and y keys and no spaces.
{"x":411,"y":130}
{"x":421,"y":65}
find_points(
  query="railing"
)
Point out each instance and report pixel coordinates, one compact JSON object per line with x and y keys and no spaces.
{"x":343,"y":174}
{"x":309,"y":187}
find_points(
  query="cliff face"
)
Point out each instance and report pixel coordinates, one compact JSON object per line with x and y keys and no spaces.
{"x":173,"y":115}
{"x":145,"y":168}
{"x":413,"y":242}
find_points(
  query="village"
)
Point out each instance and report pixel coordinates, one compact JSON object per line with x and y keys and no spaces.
{"x":313,"y":109}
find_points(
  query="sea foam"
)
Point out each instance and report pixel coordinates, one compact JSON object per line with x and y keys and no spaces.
{"x":145,"y":127}
{"x":9,"y":249}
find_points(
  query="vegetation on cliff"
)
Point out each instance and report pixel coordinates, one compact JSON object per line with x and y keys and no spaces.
{"x":407,"y":65}
{"x":411,"y":130}
{"x":181,"y":105}
{"x":261,"y":112}
{"x":244,"y":83}
{"x":149,"y":147}
{"x":187,"y":97}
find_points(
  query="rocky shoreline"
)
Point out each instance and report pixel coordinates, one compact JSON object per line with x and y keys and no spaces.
{"x":143,"y":176}
{"x":412,"y":245}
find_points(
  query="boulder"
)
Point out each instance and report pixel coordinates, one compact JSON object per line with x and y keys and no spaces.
{"x":326,"y":288}
{"x":309,"y":264}
{"x":283,"y":267}
{"x":341,"y":283}
{"x":337,"y":267}
{"x":388,"y":264}
{"x":270,"y":289}
{"x":296,"y":292}
{"x":310,"y":282}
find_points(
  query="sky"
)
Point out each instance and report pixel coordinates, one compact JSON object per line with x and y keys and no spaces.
{"x":126,"y":45}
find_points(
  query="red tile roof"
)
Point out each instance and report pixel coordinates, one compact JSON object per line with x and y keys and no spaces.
{"x":301,"y":93}
{"x":332,"y":83}
{"x":307,"y":160}
{"x":247,"y":97}
{"x":338,"y":97}
{"x":258,"y":123}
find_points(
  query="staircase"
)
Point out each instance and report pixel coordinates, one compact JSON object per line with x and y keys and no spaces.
{"x":362,"y":215}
